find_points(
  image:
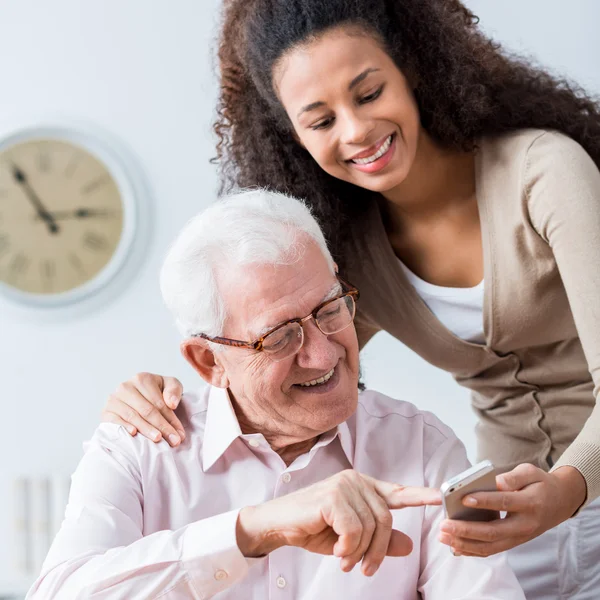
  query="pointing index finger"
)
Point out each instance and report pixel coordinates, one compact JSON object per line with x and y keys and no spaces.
{"x":400,"y":496}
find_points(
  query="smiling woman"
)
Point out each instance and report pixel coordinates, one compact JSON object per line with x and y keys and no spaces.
{"x":362,"y":129}
{"x":458,"y":188}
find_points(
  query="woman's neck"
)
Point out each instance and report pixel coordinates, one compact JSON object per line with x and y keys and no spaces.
{"x":439,"y":180}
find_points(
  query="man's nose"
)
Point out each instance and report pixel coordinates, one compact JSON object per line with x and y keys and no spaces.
{"x":318,"y":351}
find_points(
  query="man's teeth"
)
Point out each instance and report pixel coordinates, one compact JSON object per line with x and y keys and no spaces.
{"x":320,"y":380}
{"x":384,"y":148}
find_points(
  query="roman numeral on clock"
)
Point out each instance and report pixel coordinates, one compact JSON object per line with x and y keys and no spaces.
{"x":18,"y":265}
{"x":95,"y":241}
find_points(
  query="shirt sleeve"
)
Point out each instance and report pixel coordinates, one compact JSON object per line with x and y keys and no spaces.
{"x":444,"y":575}
{"x":564,"y":206}
{"x":100,"y":550}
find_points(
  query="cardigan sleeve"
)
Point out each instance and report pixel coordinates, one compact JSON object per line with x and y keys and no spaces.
{"x":563,"y":198}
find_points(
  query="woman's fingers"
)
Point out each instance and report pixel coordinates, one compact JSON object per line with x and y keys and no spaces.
{"x":172,"y":392}
{"x":140,"y":403}
{"x":490,"y":532}
{"x":520,"y":477}
{"x":151,"y":389}
{"x":476,"y":548}
{"x":500,"y":501}
{"x":143,"y":416}
{"x":109,"y":417}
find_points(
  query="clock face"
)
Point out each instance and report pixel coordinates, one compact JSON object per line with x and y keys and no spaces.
{"x":61,"y":216}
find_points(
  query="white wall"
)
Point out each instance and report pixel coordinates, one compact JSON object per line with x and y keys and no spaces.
{"x":143,"y":70}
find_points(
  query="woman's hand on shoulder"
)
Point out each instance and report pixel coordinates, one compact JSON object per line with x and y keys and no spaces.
{"x":146,"y":404}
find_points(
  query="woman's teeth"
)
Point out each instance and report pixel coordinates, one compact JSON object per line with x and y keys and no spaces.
{"x":382,"y":150}
{"x":320,"y":380}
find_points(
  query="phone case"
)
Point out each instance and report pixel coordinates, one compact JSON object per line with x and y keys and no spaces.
{"x":480,"y":478}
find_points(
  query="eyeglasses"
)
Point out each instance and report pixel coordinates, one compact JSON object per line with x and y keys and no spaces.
{"x":285,"y":340}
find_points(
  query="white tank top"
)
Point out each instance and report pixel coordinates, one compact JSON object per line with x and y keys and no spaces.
{"x":459,"y":309}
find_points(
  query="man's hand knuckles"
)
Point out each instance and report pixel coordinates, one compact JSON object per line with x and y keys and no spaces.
{"x":333,"y":497}
{"x":352,"y":529}
{"x":349,"y":475}
{"x":369,"y":524}
{"x":384,"y":519}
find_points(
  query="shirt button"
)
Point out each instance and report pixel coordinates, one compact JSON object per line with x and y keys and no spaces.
{"x":281,"y":582}
{"x":286,"y":478}
{"x":254,"y":443}
{"x":220,"y":575}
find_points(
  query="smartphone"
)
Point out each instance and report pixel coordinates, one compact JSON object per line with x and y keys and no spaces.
{"x":479,"y":478}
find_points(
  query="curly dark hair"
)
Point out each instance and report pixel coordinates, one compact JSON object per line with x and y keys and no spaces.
{"x":467,"y":87}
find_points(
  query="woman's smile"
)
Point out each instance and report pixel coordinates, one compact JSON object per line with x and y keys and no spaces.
{"x":374,"y":161}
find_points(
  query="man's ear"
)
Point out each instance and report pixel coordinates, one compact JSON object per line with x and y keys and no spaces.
{"x":337,"y":270}
{"x":199,"y":354}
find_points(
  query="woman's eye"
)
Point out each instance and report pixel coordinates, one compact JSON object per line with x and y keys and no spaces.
{"x":371,"y":97}
{"x":324,"y":124}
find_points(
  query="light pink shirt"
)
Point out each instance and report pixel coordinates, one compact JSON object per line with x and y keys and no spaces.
{"x":148,"y":521}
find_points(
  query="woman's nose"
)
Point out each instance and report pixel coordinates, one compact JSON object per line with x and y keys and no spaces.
{"x":355,"y":129}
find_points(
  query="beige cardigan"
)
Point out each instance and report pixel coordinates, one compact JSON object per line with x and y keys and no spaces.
{"x":538,"y":194}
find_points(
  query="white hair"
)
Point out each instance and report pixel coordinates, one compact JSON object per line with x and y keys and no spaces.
{"x":248,"y":227}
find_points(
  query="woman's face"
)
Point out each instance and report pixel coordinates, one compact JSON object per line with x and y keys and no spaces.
{"x":351,"y":108}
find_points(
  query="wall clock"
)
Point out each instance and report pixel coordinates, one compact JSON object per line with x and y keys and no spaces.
{"x":68,"y":215}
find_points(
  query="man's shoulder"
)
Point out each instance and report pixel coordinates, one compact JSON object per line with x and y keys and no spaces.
{"x":113,"y":438}
{"x":375,"y":406}
{"x":396,"y":441}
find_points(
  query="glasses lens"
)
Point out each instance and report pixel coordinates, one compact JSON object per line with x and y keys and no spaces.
{"x":336,"y":315}
{"x":283,"y":342}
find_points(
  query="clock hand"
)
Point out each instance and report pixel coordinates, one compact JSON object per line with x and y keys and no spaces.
{"x":80,"y":213}
{"x":20,"y":177}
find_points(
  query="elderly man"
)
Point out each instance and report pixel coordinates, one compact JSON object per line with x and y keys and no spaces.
{"x":287,"y":478}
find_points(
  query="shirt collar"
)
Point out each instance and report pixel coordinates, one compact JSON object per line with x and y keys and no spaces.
{"x":222,"y":429}
{"x":346,"y":440}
